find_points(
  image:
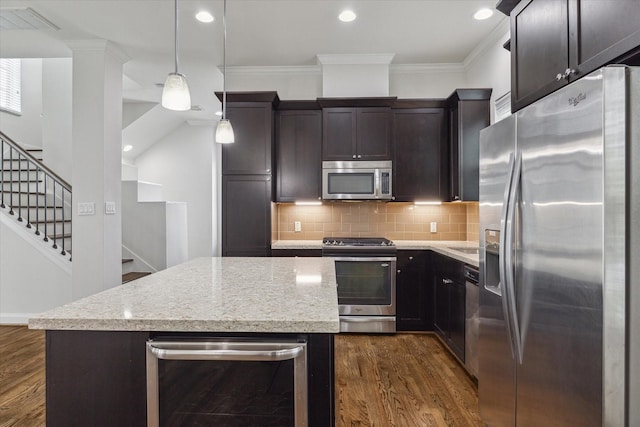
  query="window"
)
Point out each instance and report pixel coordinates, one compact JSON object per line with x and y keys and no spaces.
{"x":10,"y":99}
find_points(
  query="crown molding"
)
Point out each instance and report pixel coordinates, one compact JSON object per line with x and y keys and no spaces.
{"x":355,"y":59}
{"x":426,"y":68}
{"x":503,"y":28}
{"x":275,"y":70}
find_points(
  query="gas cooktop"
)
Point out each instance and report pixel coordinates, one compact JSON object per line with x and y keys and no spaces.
{"x":356,"y":241}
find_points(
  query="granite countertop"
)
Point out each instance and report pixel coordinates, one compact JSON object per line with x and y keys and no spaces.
{"x":261,"y":295}
{"x":440,"y":246}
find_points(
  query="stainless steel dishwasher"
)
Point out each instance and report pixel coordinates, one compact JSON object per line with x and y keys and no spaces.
{"x":472,"y":320}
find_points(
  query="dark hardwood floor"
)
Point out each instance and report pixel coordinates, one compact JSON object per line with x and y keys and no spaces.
{"x":381,"y":381}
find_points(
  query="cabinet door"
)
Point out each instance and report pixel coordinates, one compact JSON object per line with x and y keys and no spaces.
{"x":339,"y":134}
{"x":602,"y":31}
{"x":246,"y":215}
{"x":539,"y":49}
{"x":252,"y":126}
{"x":419,"y":139}
{"x":457,"y":312}
{"x":441,"y":305}
{"x":299,"y":160}
{"x":373,"y":133}
{"x":411,"y":291}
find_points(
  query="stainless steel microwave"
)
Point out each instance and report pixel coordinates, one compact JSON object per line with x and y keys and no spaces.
{"x":359,"y":180}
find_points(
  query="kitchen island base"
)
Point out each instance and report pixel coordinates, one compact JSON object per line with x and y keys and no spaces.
{"x":98,"y":378}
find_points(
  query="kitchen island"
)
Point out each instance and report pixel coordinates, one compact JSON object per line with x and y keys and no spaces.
{"x":96,"y":346}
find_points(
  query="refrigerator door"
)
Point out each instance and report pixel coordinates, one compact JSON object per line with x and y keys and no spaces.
{"x":559,"y":253}
{"x":496,"y":376}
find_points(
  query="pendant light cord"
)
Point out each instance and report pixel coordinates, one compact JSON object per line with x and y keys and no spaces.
{"x":224,"y":60}
{"x":175,"y":33}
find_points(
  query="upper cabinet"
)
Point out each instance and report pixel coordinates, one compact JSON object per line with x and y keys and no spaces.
{"x":419,"y":137}
{"x":298,"y":155}
{"x":554,"y":42}
{"x":251,"y":115}
{"x":468,"y":115}
{"x":356,"y":133}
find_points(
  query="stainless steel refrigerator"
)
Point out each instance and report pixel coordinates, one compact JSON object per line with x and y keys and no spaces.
{"x":560,"y":258}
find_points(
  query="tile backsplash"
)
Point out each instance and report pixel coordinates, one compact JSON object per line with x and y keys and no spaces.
{"x":395,"y":220}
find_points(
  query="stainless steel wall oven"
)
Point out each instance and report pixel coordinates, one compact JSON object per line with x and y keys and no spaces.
{"x":366,"y":277}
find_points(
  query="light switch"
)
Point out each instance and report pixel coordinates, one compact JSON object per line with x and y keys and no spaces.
{"x":110,"y":208}
{"x":87,"y":208}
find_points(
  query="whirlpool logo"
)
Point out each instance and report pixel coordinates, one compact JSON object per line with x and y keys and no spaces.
{"x":576,"y":100}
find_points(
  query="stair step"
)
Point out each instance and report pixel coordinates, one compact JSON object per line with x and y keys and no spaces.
{"x":129,"y":277}
{"x":126,"y":260}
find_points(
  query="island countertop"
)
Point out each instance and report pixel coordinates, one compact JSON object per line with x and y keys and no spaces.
{"x":262,"y":295}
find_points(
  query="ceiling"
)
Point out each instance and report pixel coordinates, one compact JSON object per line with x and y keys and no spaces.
{"x":260,"y":33}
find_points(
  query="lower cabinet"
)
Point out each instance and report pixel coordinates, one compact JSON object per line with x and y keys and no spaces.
{"x":414,"y":309}
{"x":246,"y":215}
{"x":449,"y":300}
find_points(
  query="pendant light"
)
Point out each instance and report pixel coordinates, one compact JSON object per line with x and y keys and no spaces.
{"x":224,"y":130}
{"x":175,"y":95}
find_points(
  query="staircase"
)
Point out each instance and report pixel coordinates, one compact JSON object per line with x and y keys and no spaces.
{"x":38,"y":198}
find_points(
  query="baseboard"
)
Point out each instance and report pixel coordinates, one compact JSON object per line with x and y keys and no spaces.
{"x":15,"y":318}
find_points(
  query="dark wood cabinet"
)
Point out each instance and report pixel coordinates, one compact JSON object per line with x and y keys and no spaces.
{"x":449,"y":301}
{"x":419,"y":137}
{"x":253,"y":128}
{"x":468,"y":114}
{"x":554,"y":42}
{"x":298,"y":155}
{"x":246,"y":215}
{"x":247,"y":186}
{"x":413,"y":296}
{"x":356,"y":133}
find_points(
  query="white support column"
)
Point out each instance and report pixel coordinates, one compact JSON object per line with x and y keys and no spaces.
{"x":97,"y":154}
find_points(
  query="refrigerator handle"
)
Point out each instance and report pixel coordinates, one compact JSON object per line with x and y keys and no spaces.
{"x":509,"y":259}
{"x":502,"y":266}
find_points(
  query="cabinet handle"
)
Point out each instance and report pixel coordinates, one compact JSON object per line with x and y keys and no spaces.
{"x":354,"y":156}
{"x":359,"y":156}
{"x":447,"y":281}
{"x":410,"y":258}
{"x":558,"y":77}
{"x":568,"y":72}
{"x":268,"y":170}
{"x":399,"y":271}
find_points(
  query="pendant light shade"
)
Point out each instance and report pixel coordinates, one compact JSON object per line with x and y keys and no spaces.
{"x":175,"y":95}
{"x":224,"y":130}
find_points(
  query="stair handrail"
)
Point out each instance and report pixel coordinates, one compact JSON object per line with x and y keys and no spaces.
{"x":41,"y":165}
{"x":48,"y":175}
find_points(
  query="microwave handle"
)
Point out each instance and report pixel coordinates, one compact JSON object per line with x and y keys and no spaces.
{"x":377,"y":193}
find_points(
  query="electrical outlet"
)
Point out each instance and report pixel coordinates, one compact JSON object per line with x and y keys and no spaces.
{"x":434,"y":227}
{"x":297,"y":226}
{"x":110,"y":208}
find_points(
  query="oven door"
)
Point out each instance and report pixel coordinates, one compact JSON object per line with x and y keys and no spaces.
{"x":366,"y":286}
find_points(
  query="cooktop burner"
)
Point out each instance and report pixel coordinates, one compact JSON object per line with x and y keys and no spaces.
{"x":356,"y":241}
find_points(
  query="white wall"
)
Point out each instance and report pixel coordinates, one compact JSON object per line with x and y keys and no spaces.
{"x":426,"y":81}
{"x":24,"y":289}
{"x":183,"y":163}
{"x":489,"y":65}
{"x":56,"y":121}
{"x":299,"y":83}
{"x":26,"y":128}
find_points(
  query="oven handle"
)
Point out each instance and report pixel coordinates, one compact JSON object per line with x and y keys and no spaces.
{"x":273,"y":352}
{"x":371,"y":259}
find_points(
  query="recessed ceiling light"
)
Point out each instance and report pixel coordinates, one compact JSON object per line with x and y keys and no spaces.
{"x":127,"y":148}
{"x":347,"y":16}
{"x":204,"y":16}
{"x":483,"y":14}
{"x":218,"y":113}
